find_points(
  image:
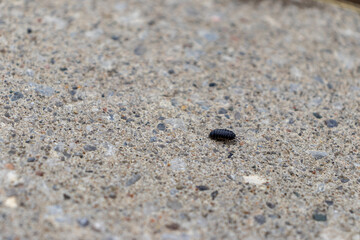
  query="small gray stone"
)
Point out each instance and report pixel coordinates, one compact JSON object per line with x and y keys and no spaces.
{"x":318,"y":79}
{"x":178,"y":164}
{"x":331,"y":123}
{"x":16,"y":96}
{"x":133,"y":179}
{"x":31,"y":159}
{"x":176,"y":123}
{"x":344,"y":180}
{"x":222,"y":111}
{"x":89,"y":148}
{"x":319,"y":217}
{"x":140,"y":50}
{"x":30,"y":72}
{"x":153,"y":139}
{"x":174,"y":102}
{"x":260,"y":219}
{"x":317,"y":115}
{"x":318,"y":155}
{"x":83,"y":222}
{"x":42,"y":90}
{"x":161,"y":126}
{"x":270,"y":205}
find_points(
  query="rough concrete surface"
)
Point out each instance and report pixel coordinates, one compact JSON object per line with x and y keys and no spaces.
{"x":106,"y":107}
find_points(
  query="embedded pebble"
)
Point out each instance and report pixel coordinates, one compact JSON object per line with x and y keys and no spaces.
{"x":260,"y":219}
{"x":254,"y":179}
{"x":89,"y":148}
{"x":11,"y":202}
{"x":16,"y":96}
{"x":202,"y":188}
{"x":178,"y":164}
{"x":331,"y":123}
{"x":222,"y":111}
{"x":133,"y":180}
{"x":319,"y":217}
{"x":83,"y":222}
{"x":318,"y":154}
{"x":173,"y":226}
{"x":31,"y":159}
{"x":140,"y":50}
{"x":270,"y":205}
{"x":161,"y":127}
{"x":317,"y":115}
{"x":176,"y":123}
{"x":214,"y":194}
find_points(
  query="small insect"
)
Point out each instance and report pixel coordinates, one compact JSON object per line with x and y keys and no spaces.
{"x":222,"y":134}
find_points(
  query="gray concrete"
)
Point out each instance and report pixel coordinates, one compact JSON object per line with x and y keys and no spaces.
{"x":106,"y":107}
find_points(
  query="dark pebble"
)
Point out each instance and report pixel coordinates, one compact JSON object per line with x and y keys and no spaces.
{"x":89,"y":148}
{"x":319,"y":217}
{"x":17,"y":96}
{"x":151,"y":22}
{"x":115,"y":38}
{"x":112,"y":195}
{"x":171,"y":71}
{"x":66,"y":197}
{"x":212,"y":84}
{"x":83,"y":222}
{"x":161,"y":126}
{"x":344,"y":180}
{"x":222,"y":111}
{"x":270,"y":205}
{"x":29,"y":30}
{"x":202,"y":188}
{"x":329,"y":202}
{"x":63,"y":69}
{"x":214,"y":194}
{"x":230,"y":155}
{"x":260,"y":219}
{"x":31,"y":159}
{"x":331,"y":123}
{"x":317,"y":115}
{"x":173,"y":226}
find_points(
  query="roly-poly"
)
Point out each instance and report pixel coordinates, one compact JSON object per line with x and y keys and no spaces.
{"x":222,"y":134}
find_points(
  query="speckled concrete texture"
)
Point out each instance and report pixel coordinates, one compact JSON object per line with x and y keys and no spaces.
{"x":106,"y":107}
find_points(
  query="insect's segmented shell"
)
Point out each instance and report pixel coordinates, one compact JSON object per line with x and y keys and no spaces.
{"x":222,"y":134}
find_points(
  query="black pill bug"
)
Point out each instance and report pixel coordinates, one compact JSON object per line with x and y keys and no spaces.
{"x":222,"y":134}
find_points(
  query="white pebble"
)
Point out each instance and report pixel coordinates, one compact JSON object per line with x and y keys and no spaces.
{"x":178,"y":164}
{"x":10,"y":202}
{"x":254,"y":179}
